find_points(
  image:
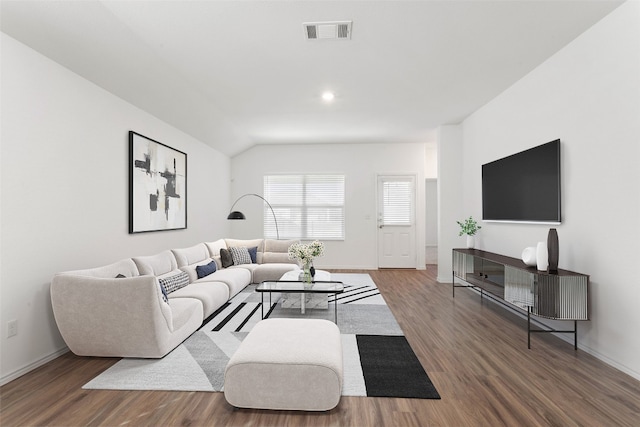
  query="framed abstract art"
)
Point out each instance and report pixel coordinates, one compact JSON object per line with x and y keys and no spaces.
{"x":157,"y":186}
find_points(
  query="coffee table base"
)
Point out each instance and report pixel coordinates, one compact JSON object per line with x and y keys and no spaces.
{"x":324,"y":288}
{"x":302,"y":301}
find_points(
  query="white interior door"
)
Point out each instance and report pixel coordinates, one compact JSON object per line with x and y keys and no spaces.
{"x":396,"y":221}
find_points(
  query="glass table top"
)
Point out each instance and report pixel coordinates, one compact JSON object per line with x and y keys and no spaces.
{"x":329,"y":287}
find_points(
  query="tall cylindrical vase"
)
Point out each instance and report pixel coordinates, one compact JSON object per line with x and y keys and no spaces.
{"x":553,"y":249}
{"x":542,"y":256}
{"x":471,"y":241}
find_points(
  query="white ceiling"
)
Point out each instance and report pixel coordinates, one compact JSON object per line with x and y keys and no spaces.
{"x":238,"y":73}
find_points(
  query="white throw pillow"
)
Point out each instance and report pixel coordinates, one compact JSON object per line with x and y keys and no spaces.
{"x":240,"y":255}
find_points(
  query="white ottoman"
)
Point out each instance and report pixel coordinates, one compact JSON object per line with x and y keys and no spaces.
{"x":287,"y":364}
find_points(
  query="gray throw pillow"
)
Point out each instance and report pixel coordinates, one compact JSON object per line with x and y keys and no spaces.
{"x":225,"y":258}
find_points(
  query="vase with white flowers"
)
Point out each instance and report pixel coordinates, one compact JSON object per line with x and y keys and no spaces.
{"x":469,"y":227}
{"x":305,"y":254}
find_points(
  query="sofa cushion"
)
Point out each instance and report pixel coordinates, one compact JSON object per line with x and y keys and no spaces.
{"x":271,"y":245}
{"x":191,"y":255}
{"x":214,"y":247}
{"x":240,"y":255}
{"x":236,"y":278}
{"x":205,"y":270}
{"x":225,"y":258}
{"x":259,"y":243}
{"x":156,"y":265}
{"x":191,"y":269}
{"x":212,"y":294}
{"x":272,"y":271}
{"x":173,"y":281}
{"x":271,"y":257}
{"x":277,"y":251}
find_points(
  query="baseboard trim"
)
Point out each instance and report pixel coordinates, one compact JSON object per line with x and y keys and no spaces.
{"x":347,"y":267}
{"x":30,"y":367}
{"x":610,"y":362}
{"x":441,"y":279}
{"x":568,"y":338}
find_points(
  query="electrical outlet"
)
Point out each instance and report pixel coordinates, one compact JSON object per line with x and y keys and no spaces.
{"x":12,"y":328}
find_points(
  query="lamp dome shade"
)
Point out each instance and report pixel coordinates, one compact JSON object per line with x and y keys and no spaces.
{"x":236,"y":215}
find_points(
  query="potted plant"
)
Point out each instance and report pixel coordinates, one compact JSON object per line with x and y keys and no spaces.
{"x":305,"y":254}
{"x":469,"y":227}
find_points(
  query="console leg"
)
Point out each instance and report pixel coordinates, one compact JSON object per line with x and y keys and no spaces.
{"x":453,"y":284}
{"x":529,"y":328}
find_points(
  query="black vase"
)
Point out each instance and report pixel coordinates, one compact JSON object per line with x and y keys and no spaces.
{"x":552,"y":247}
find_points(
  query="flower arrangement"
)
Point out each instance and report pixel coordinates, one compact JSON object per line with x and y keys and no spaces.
{"x":469,"y":227}
{"x":306,"y":253}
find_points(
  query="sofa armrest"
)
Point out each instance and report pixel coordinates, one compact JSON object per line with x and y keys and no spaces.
{"x":106,"y":317}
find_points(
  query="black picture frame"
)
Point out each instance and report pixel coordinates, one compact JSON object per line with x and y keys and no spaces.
{"x":157,"y":186}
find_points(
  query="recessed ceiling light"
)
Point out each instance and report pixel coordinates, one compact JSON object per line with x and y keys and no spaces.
{"x":328,"y":96}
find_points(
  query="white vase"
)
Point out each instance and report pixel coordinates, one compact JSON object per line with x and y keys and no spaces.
{"x":542,"y":256}
{"x":529,"y":256}
{"x":471,"y":241}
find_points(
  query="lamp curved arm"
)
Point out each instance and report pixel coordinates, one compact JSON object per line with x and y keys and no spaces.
{"x":268,"y":204}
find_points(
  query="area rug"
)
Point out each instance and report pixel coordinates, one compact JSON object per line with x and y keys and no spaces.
{"x":378,"y":360}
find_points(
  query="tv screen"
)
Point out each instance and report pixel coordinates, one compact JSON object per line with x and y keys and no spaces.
{"x":523,"y":187}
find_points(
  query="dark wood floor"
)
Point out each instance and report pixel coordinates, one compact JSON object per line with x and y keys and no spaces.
{"x":475,"y":353}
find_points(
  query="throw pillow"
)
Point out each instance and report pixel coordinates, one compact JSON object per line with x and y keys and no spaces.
{"x":253,"y":253}
{"x":240,"y":255}
{"x":205,"y":270}
{"x":226,"y":258}
{"x":165,"y":298}
{"x":174,"y":282}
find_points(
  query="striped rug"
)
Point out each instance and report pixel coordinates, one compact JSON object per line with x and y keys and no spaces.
{"x":360,"y":301}
{"x":198,"y":364}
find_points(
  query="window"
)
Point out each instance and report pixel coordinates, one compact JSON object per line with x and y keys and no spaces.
{"x":308,"y":207}
{"x":397,"y":201}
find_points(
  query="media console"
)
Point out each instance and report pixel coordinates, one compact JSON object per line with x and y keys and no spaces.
{"x":562,"y":295}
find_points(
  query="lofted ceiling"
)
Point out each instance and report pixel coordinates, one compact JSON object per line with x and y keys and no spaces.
{"x":234,"y":74}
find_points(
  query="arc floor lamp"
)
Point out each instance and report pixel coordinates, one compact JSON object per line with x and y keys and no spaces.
{"x":239,"y":215}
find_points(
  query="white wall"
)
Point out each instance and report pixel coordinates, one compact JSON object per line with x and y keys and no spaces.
{"x":65,"y":192}
{"x":588,"y":95}
{"x":360,"y":163}
{"x":431,"y":221}
{"x":431,"y":203}
{"x":431,"y":160}
{"x":450,"y":197}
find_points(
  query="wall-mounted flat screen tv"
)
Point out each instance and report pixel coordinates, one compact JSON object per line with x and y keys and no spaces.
{"x":523,"y":187}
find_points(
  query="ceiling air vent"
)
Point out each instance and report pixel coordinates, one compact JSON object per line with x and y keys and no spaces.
{"x":338,"y":30}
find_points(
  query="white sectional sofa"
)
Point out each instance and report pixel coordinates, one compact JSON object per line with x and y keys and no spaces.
{"x":146,"y":306}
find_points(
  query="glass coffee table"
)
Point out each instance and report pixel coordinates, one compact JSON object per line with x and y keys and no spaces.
{"x":297,"y":286}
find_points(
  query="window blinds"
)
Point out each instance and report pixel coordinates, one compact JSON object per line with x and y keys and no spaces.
{"x":397,"y":198}
{"x":307,"y":207}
